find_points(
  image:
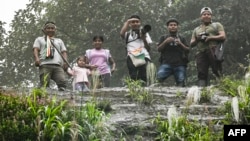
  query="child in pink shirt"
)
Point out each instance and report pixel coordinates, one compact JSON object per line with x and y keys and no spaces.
{"x":80,"y":74}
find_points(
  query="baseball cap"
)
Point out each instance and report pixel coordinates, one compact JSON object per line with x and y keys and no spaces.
{"x":172,"y":20}
{"x":206,"y":9}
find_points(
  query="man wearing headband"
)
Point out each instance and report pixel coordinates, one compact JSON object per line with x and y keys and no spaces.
{"x":48,"y":52}
{"x":206,"y":37}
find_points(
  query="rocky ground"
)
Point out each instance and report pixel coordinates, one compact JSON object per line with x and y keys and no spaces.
{"x":131,"y":118}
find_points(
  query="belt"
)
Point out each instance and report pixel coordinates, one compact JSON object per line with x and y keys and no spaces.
{"x":51,"y":65}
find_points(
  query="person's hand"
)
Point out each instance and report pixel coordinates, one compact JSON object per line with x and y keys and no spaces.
{"x":112,"y":70}
{"x":198,"y":38}
{"x":177,"y":41}
{"x":93,"y":67}
{"x":208,"y":38}
{"x":65,"y":66}
{"x":37,"y":62}
{"x":169,"y":40}
{"x":203,"y":37}
{"x":129,"y":21}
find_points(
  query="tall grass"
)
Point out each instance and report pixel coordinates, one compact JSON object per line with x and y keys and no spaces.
{"x":151,"y":73}
{"x":53,"y":119}
{"x":138,"y":93}
{"x":193,"y":95}
{"x":96,"y":79}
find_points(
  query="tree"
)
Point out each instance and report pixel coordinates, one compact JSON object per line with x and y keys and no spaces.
{"x":80,"y":20}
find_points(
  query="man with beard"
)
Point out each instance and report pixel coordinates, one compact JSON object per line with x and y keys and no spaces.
{"x":48,"y":52}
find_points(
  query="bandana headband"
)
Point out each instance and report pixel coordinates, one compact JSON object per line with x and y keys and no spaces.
{"x":49,"y":25}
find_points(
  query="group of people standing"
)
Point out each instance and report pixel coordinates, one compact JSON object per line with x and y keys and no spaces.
{"x":50,"y":54}
{"x":51,"y":57}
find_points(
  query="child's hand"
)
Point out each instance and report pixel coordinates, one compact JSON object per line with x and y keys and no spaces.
{"x":70,"y":71}
{"x":93,"y":67}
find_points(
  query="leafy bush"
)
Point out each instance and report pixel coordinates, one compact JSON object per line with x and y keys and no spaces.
{"x":37,"y":118}
{"x":16,"y":121}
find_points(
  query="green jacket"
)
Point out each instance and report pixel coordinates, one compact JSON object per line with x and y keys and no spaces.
{"x":212,"y":30}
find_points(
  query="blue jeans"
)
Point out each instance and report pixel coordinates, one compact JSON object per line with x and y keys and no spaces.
{"x":166,"y":70}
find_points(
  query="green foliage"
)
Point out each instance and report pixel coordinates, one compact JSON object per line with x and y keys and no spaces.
{"x":229,"y":86}
{"x":138,"y":93}
{"x":37,"y":118}
{"x":206,"y":95}
{"x":240,"y":90}
{"x":104,"y":105}
{"x":90,"y":118}
{"x":184,"y":128}
{"x":16,"y":122}
{"x":2,"y":33}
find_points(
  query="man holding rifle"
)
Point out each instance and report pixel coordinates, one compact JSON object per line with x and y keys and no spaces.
{"x":50,"y":56}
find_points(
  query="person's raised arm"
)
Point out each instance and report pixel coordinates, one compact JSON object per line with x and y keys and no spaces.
{"x":124,"y":28}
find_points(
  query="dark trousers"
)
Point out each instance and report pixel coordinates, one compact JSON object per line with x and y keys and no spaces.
{"x":105,"y":79}
{"x":54,"y":72}
{"x":204,"y":60}
{"x":136,"y":73}
{"x":102,"y":80}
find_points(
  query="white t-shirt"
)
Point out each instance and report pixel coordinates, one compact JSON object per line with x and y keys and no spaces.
{"x":135,"y":45}
{"x":41,"y":44}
